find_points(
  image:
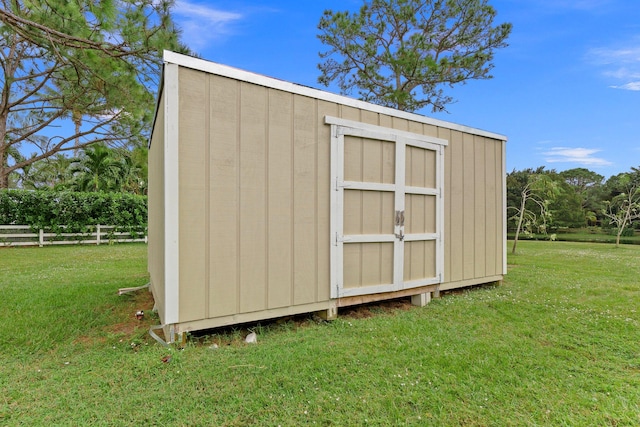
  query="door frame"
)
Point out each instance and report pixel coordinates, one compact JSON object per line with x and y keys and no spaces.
{"x":341,"y":128}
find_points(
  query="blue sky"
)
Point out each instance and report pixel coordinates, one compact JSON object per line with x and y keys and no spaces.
{"x":566,"y":92}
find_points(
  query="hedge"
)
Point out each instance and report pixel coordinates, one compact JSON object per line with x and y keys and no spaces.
{"x":73,"y":212}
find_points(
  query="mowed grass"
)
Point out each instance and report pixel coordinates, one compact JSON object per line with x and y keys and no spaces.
{"x":558,"y":343}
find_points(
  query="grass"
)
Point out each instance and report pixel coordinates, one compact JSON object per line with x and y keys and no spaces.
{"x":557,"y":344}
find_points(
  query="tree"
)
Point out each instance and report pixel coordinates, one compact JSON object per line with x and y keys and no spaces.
{"x":45,"y":174}
{"x":134,"y":172}
{"x":400,"y":53}
{"x":566,"y":208}
{"x":78,"y":73}
{"x":96,"y":170}
{"x":624,"y":208}
{"x":540,"y":190}
{"x":581,"y":179}
{"x":588,"y":186}
{"x":517,"y":180}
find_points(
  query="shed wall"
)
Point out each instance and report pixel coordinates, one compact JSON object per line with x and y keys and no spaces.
{"x":254,"y":210}
{"x":254,"y":214}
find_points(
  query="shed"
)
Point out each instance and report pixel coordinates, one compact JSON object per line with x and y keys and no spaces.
{"x":269,"y":199}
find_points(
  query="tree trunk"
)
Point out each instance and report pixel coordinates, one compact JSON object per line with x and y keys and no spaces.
{"x":77,"y":121}
{"x":515,"y":239}
{"x":4,"y":179}
{"x":4,"y":174}
{"x":625,"y":221}
{"x":4,"y":147}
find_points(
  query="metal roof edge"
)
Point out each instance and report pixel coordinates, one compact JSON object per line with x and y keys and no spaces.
{"x":155,"y":112}
{"x":250,"y":77}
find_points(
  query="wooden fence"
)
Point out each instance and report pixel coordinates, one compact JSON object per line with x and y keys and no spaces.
{"x":23,"y":235}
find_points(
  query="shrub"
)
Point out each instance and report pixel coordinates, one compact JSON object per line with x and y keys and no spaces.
{"x":73,"y":211}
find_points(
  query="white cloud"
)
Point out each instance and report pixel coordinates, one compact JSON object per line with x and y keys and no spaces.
{"x":635,"y":86}
{"x":582,"y":156}
{"x":621,"y":63}
{"x":202,"y":24}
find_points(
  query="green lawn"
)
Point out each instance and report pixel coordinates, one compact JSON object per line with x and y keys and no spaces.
{"x":557,"y":344}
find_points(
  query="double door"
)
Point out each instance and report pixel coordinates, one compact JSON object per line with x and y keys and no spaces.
{"x":386,"y":209}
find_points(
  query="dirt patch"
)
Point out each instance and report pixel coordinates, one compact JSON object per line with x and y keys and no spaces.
{"x":141,"y":300}
{"x":126,"y":325}
{"x":364,"y":311}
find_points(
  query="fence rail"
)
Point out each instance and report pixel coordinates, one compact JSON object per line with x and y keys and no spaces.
{"x":23,"y":235}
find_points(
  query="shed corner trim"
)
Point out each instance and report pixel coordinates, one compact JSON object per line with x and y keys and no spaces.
{"x":172,"y":196}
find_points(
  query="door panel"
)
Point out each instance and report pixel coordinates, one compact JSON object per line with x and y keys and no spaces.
{"x":420,"y":213}
{"x":368,"y":264}
{"x":420,"y":167}
{"x":368,"y":212}
{"x":369,"y":160}
{"x":419,"y":260}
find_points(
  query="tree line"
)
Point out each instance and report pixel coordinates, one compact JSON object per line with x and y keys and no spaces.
{"x":546,"y":201}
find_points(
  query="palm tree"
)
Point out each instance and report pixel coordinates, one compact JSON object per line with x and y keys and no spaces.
{"x":96,"y":170}
{"x":134,"y":170}
{"x":52,"y":172}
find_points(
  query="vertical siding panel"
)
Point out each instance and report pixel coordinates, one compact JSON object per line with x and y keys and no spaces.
{"x":352,"y":272}
{"x":369,"y":117}
{"x":370,"y":267}
{"x":323,"y":195}
{"x":468,"y":234}
{"x":280,"y":190}
{"x":349,"y":113}
{"x":400,"y":124}
{"x":456,"y":237}
{"x":353,"y":154}
{"x":352,"y":212}
{"x":491,"y":240}
{"x":224,"y":197}
{"x":192,"y":186}
{"x":416,"y":127}
{"x":253,"y":269}
{"x":431,"y":130}
{"x":480,"y":207}
{"x":384,"y":120}
{"x":304,"y":188}
{"x":500,"y":176}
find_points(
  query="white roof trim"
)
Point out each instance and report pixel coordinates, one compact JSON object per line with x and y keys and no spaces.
{"x":235,"y":73}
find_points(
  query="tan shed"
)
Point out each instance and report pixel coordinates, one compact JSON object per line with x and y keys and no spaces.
{"x":269,"y":199}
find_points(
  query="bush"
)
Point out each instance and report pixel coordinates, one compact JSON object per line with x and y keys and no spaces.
{"x":627,"y":232}
{"x":72,"y":211}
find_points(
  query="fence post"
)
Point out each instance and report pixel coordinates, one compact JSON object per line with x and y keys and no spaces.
{"x":41,"y":238}
{"x":98,"y":235}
